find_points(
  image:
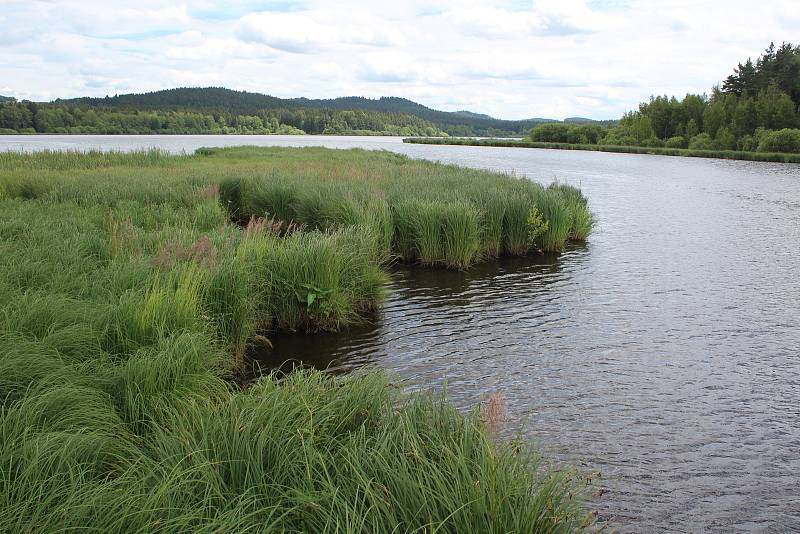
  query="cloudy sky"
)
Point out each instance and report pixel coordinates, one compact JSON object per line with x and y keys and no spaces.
{"x":510,"y":59}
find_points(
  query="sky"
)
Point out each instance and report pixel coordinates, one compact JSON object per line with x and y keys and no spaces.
{"x":510,"y":59}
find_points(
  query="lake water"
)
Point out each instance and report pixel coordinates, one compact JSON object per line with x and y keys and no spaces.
{"x":664,"y":353}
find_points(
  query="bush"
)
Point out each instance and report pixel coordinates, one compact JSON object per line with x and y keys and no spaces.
{"x":786,"y":140}
{"x":676,"y":142}
{"x":725,"y":139}
{"x":578,"y":134}
{"x":701,"y":141}
{"x":652,"y":142}
{"x":747,"y":143}
{"x":590,"y":133}
{"x":555,"y":133}
{"x":615,"y":138}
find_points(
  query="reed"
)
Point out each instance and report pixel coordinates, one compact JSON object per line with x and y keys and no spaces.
{"x":559,"y":219}
{"x":414,"y":204}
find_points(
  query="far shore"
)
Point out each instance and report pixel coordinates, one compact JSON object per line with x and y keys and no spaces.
{"x":778,"y":157}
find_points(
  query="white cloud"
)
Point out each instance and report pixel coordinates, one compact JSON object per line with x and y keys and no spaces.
{"x":290,"y":32}
{"x":329,"y":71}
{"x":545,"y":17}
{"x":492,"y":22}
{"x":303,"y":33}
{"x":197,"y":47}
{"x":507,"y":58}
{"x":390,"y":67}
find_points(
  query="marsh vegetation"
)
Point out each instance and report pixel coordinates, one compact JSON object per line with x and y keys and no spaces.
{"x":131,"y":286}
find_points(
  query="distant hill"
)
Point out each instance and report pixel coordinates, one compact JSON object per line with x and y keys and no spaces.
{"x":578,"y":120}
{"x":7,"y":98}
{"x":219,"y":99}
{"x":465,"y":113}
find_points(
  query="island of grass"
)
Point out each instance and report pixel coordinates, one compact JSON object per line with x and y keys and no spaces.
{"x":780,"y":157}
{"x":131,"y":286}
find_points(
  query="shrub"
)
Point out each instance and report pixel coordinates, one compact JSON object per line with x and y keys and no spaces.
{"x":555,"y":133}
{"x":536,"y":225}
{"x":786,"y":140}
{"x":676,"y":142}
{"x":725,"y":139}
{"x":614,"y":138}
{"x":747,"y":143}
{"x":701,"y":141}
{"x":652,"y":142}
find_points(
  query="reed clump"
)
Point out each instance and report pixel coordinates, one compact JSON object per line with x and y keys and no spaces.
{"x":439,"y":215}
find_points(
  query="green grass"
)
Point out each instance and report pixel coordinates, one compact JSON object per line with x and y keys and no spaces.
{"x":129,"y":293}
{"x":779,"y":157}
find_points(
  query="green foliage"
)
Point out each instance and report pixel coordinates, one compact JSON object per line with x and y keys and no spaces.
{"x":314,"y":280}
{"x":677,"y":141}
{"x":460,"y":218}
{"x":778,"y":67}
{"x":536,"y":225}
{"x":652,"y":141}
{"x":701,"y":141}
{"x":103,"y":118}
{"x":725,"y":139}
{"x":559,"y":221}
{"x":637,"y":125}
{"x":762,"y":95}
{"x":786,"y":140}
{"x":567,"y":133}
{"x":782,"y":157}
{"x":219,"y":110}
{"x":515,"y":223}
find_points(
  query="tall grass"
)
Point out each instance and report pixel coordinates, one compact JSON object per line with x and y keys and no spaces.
{"x":128,"y":297}
{"x":306,"y":454}
{"x":559,"y":221}
{"x":428,"y":213}
{"x":91,"y":159}
{"x":314,"y":280}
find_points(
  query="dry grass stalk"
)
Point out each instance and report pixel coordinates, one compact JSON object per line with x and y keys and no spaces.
{"x":211,"y":191}
{"x":273,"y":226}
{"x":203,"y":252}
{"x":494,"y":412}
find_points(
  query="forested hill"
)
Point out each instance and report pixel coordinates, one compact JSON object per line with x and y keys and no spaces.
{"x":221,"y":100}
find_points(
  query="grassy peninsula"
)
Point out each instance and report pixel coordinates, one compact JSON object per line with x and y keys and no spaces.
{"x":132,"y":285}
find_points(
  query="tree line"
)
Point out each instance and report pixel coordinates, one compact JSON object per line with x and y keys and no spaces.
{"x":68,"y":118}
{"x":217,"y":99}
{"x":755,"y":109}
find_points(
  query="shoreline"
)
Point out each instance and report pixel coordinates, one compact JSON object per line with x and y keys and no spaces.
{"x":653,"y":151}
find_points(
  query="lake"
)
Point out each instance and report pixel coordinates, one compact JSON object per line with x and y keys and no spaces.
{"x":664,"y":353}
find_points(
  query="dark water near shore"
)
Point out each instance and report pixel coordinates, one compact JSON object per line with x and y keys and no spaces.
{"x":664,"y":353}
